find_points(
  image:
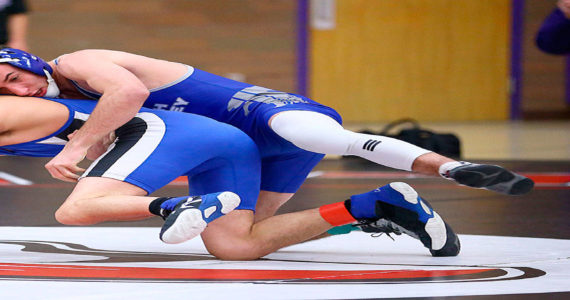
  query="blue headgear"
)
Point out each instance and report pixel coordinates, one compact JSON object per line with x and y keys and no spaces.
{"x":26,"y":61}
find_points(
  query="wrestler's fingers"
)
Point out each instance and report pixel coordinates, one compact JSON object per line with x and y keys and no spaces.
{"x":76,"y":169}
{"x":57,"y":174}
{"x":65,"y":174}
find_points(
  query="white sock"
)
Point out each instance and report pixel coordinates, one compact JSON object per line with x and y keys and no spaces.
{"x":319,"y":133}
{"x":448,"y":166}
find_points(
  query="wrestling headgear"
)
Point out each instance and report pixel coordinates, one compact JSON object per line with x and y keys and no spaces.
{"x":26,"y":61}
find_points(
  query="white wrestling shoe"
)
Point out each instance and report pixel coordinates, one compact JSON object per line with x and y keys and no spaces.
{"x":190,"y":217}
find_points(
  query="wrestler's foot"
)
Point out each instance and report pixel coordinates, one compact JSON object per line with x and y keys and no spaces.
{"x":191,"y":215}
{"x":398,"y":209}
{"x":490,"y":177}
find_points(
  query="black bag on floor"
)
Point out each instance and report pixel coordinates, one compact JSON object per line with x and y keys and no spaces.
{"x":446,"y":144}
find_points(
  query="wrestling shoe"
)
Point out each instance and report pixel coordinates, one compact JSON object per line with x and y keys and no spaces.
{"x":398,"y":209}
{"x":490,"y":177}
{"x":191,"y":216}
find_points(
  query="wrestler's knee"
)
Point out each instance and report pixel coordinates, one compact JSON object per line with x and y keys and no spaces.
{"x":230,"y":237}
{"x":231,"y":251}
{"x":72,"y":213}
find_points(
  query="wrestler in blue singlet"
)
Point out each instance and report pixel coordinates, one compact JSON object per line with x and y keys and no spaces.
{"x":156,"y":147}
{"x":249,"y":108}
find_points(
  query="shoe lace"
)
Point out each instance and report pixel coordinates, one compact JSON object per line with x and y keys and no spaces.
{"x":379,"y":227}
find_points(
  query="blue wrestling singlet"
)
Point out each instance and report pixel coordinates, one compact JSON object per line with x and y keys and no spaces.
{"x":249,"y":108}
{"x":156,"y":147}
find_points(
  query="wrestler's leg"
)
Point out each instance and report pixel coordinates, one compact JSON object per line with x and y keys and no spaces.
{"x":317,"y":132}
{"x":97,"y":199}
{"x":268,"y":203}
{"x":237,"y":237}
{"x":395,"y":208}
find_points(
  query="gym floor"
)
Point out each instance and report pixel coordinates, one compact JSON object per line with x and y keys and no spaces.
{"x":516,"y":247}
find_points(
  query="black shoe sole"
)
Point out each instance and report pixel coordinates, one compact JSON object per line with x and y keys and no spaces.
{"x":494,"y":178}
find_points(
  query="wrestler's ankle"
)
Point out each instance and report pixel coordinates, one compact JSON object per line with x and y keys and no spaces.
{"x":337,"y":214}
{"x":155,"y":207}
{"x":429,"y":163}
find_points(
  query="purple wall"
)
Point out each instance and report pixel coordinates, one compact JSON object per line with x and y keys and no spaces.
{"x":516,"y":58}
{"x":568,"y":80}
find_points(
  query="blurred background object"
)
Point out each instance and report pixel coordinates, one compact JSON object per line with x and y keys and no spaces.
{"x":554,"y":34}
{"x":14,"y":24}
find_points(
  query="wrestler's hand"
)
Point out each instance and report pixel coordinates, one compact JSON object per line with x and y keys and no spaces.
{"x":64,"y":165}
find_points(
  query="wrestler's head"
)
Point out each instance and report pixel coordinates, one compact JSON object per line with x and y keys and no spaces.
{"x":24,"y":74}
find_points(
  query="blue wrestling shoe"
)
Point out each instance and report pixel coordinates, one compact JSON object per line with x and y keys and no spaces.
{"x":490,"y":177}
{"x":190,"y":217}
{"x":397,"y":208}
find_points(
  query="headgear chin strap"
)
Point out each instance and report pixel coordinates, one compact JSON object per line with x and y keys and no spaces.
{"x":52,"y":89}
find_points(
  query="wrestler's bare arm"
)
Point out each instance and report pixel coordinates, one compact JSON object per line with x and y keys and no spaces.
{"x":25,"y":119}
{"x":123,"y":96}
{"x":122,"y":92}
